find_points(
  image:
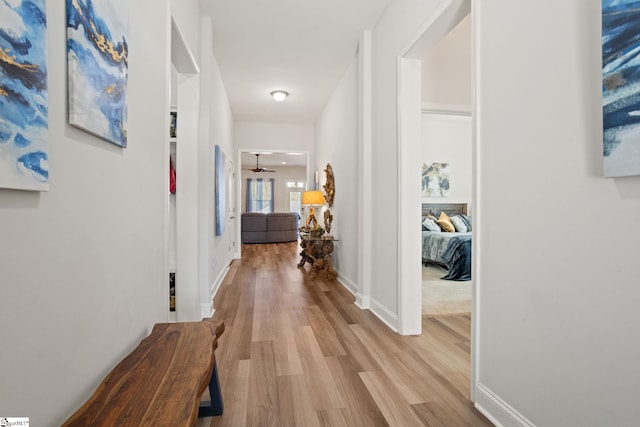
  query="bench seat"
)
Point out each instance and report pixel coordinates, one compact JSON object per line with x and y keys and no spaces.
{"x":160,"y":382}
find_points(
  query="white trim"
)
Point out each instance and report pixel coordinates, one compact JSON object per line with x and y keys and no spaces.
{"x":181,"y":55}
{"x":364,"y":180}
{"x":348,"y":284}
{"x":409,"y":243}
{"x":446,"y":109}
{"x":215,"y":286}
{"x":475,"y":201}
{"x":384,"y":314}
{"x":363,"y":302}
{"x":379,"y":310}
{"x":448,"y":14}
{"x":207,"y":309}
{"x":499,"y":412}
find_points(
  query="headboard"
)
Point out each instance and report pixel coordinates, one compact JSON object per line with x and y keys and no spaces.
{"x":448,"y":208}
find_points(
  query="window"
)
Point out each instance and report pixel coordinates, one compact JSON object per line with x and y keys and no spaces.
{"x":293,"y":194}
{"x":260,"y":195}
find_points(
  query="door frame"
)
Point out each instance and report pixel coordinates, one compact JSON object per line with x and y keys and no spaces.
{"x":449,"y":14}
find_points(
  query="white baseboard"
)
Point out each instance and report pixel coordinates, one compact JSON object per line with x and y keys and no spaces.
{"x":207,"y":310}
{"x":383,"y":313}
{"x":365,"y":303}
{"x":215,"y":286}
{"x":348,"y":284}
{"x":362,"y":301}
{"x":497,"y":410}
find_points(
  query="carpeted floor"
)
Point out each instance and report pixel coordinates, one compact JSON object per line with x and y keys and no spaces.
{"x":441,"y":297}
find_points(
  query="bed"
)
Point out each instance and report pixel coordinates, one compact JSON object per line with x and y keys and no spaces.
{"x":450,"y":250}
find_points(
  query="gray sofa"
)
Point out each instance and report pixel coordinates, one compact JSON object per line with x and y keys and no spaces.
{"x":273,"y":227}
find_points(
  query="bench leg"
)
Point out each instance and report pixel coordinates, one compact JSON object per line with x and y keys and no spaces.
{"x":215,"y":406}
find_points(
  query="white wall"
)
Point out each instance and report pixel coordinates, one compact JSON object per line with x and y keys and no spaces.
{"x":398,"y":25}
{"x":558,"y":284}
{"x":250,"y":136}
{"x":82,"y":264}
{"x":273,"y":136}
{"x":446,"y":68}
{"x":447,"y":139}
{"x":216,"y":128}
{"x":337,"y":144}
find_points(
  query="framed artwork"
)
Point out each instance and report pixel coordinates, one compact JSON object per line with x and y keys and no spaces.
{"x":97,"y":66}
{"x":621,"y":87}
{"x":24,"y":120}
{"x":435,"y":180}
{"x":220,"y":190}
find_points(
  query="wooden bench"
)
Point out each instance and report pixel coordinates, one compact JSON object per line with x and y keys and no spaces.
{"x":160,"y":383}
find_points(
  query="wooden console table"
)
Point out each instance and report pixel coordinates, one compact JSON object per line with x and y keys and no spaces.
{"x":317,"y":250}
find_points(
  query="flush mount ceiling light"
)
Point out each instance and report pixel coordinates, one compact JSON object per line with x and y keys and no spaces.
{"x":279,"y":95}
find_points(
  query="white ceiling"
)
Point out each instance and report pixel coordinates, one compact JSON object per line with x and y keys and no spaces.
{"x":300,"y":46}
{"x":273,"y":159}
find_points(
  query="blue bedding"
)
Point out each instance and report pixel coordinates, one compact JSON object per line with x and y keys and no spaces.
{"x":450,"y":250}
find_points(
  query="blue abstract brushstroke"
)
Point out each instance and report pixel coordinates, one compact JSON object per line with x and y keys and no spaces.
{"x":5,"y":132}
{"x":33,"y":162}
{"x":21,"y":141}
{"x":23,"y":95}
{"x":621,"y":69}
{"x":102,"y":64}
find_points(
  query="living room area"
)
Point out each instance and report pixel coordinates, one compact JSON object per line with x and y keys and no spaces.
{"x":270,"y":185}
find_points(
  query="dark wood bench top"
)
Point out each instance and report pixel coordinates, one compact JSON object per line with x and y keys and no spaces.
{"x":159,"y":383}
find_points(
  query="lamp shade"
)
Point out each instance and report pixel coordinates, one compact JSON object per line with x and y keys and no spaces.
{"x":313,"y":197}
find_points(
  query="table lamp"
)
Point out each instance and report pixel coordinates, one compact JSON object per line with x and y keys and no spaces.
{"x":312,"y":198}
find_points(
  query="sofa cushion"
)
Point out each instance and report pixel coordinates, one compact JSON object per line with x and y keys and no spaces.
{"x":280,"y":221}
{"x":254,"y":221}
{"x":269,"y":228}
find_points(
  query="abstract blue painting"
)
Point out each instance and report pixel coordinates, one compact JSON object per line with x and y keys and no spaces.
{"x":220,"y":196}
{"x":621,"y":87}
{"x":97,"y":58}
{"x":24,"y":123}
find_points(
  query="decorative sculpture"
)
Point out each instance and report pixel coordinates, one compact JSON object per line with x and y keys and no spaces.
{"x":329,"y":186}
{"x":312,"y":222}
{"x":328,"y":218}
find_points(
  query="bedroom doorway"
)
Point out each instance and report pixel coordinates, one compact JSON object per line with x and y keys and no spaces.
{"x":410,"y":108}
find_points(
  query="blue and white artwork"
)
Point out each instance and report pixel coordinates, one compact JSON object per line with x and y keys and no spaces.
{"x":435,"y":180}
{"x":220,"y":196}
{"x":97,"y":57}
{"x":621,"y":87}
{"x":24,"y":144}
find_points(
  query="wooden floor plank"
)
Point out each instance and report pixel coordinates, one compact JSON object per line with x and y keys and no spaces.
{"x":299,"y":352}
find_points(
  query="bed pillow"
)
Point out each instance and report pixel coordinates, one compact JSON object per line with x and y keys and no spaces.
{"x":459,"y":223}
{"x":445,"y":223}
{"x":430,"y":225}
{"x":467,"y":219}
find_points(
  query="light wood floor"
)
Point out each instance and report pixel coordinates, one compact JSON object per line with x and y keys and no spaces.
{"x":298,"y":352}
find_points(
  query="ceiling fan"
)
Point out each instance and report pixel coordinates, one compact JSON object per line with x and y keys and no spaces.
{"x":258,"y":169}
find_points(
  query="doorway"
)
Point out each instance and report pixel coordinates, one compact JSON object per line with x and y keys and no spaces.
{"x":449,"y":15}
{"x":282,"y":163}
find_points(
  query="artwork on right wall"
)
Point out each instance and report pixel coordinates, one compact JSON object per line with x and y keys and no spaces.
{"x":435,"y":180}
{"x":621,"y":87}
{"x":24,"y":123}
{"x":97,"y":67}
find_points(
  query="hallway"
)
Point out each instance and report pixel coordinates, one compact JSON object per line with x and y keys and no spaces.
{"x":298,"y":352}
